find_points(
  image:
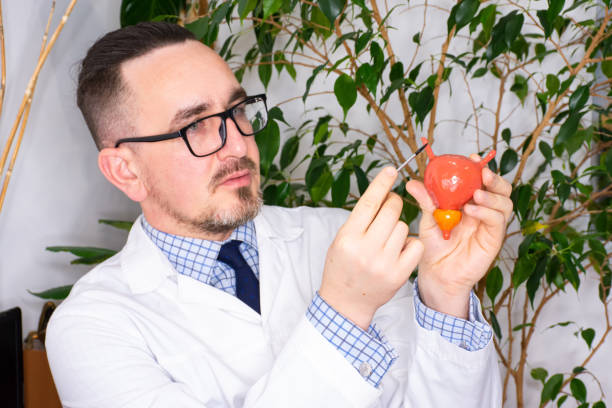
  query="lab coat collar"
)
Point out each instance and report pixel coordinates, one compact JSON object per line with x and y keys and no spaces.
{"x":274,"y":224}
{"x":145,"y":267}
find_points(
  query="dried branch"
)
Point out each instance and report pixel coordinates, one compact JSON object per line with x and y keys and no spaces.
{"x":23,"y":111}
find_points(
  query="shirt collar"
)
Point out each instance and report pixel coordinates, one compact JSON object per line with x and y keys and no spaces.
{"x":196,"y":257}
{"x":244,"y":233}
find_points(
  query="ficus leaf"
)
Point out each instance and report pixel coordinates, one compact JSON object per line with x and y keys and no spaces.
{"x":136,"y":11}
{"x":540,"y":51}
{"x":396,"y":72}
{"x":539,"y":374}
{"x":495,"y":282}
{"x":546,"y":25}
{"x":495,"y":325}
{"x":367,"y":75}
{"x":552,"y":84}
{"x":578,"y":389}
{"x":331,"y":8}
{"x":533,"y":283}
{"x":268,"y":142}
{"x":271,"y":6}
{"x":362,"y":41}
{"x":318,"y":179}
{"x":245,"y":7}
{"x":551,"y":388}
{"x":567,"y":130}
{"x":506,"y":134}
{"x":579,"y":98}
{"x":290,"y":149}
{"x":264,"y":69}
{"x":487,"y":19}
{"x":310,"y":80}
{"x":340,"y":188}
{"x":321,"y":132}
{"x":520,"y":87}
{"x":480,"y":72}
{"x":513,"y":27}
{"x":508,"y":161}
{"x":346,"y":92}
{"x":462,"y":14}
{"x":362,"y":179}
{"x":588,"y":335}
{"x":421,"y":103}
{"x":606,"y":68}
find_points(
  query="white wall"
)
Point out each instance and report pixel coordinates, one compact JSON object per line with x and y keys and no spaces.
{"x":57,"y":193}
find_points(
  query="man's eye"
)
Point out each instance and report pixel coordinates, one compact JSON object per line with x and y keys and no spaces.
{"x":240,"y":110}
{"x":196,"y":126}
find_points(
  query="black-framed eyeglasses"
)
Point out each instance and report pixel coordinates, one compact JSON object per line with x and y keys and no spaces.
{"x":207,"y":135}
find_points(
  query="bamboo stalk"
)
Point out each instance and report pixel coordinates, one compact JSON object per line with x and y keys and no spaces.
{"x":24,"y":108}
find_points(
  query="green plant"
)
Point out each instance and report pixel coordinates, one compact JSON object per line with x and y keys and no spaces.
{"x":85,"y":255}
{"x":547,"y":66}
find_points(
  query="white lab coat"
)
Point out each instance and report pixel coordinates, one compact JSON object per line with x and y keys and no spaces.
{"x":135,"y":333}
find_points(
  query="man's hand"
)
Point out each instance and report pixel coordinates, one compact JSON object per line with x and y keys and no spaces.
{"x":450,"y":268}
{"x":371,"y":257}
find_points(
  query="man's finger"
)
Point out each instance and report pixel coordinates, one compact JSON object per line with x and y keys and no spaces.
{"x":495,"y":201}
{"x":368,"y":205}
{"x":409,"y":258}
{"x":420,"y":194}
{"x":381,"y":227}
{"x":495,"y":183}
{"x":397,"y":240}
{"x":493,"y":220}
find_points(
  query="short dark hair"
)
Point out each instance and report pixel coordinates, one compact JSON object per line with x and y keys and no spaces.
{"x":100,"y":85}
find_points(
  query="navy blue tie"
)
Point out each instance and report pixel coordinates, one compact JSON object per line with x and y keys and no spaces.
{"x":247,"y":284}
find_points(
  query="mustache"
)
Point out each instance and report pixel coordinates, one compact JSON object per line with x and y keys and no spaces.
{"x":244,"y":163}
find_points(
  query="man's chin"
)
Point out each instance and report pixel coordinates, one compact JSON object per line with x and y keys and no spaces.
{"x":227,"y":219}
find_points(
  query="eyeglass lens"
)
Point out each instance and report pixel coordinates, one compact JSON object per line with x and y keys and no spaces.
{"x":206,"y":136}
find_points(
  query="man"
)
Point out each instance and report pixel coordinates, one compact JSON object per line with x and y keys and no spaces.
{"x":216,"y":301}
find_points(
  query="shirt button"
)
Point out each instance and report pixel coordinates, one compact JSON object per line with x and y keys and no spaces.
{"x":365,"y":369}
{"x":464,"y":345}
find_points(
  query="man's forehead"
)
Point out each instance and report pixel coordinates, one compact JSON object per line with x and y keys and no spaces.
{"x":184,"y":76}
{"x":189,"y":64}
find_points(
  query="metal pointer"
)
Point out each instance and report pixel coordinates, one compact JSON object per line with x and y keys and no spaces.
{"x":419,"y":150}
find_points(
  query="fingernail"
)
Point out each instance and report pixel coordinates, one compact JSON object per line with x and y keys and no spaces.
{"x":390,"y":171}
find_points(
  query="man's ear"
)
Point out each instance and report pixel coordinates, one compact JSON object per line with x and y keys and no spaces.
{"x":119,"y":167}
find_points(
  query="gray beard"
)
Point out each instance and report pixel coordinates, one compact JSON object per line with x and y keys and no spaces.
{"x":225,"y":222}
{"x":212,"y":221}
{"x":219,"y":221}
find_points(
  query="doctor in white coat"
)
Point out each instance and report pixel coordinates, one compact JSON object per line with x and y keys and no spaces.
{"x":218,"y":301}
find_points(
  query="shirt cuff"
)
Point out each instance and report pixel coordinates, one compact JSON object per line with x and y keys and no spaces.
{"x":472,"y":335}
{"x":368,"y":352}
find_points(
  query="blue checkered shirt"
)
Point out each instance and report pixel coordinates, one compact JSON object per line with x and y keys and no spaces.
{"x":367,"y":351}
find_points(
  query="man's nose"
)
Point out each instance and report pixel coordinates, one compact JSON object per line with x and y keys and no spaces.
{"x":235,"y":143}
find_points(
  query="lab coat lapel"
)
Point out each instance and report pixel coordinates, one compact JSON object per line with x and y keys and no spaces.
{"x":147,"y":269}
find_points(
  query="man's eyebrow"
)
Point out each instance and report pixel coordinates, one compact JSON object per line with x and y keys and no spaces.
{"x":237,"y":93}
{"x":188,"y":112}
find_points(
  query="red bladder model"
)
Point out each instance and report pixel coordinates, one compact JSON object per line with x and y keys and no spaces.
{"x":451,"y":181}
